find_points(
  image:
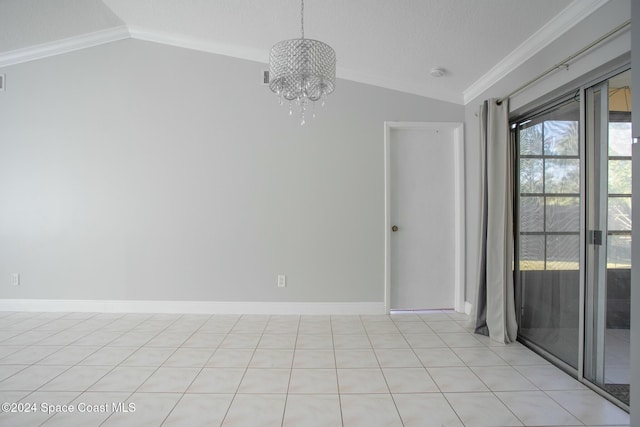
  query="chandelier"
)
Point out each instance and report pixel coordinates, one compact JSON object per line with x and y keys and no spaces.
{"x":302,"y":71}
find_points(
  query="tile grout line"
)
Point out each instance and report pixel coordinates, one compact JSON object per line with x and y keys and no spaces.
{"x":235,"y":394}
{"x":380,"y":366}
{"x":488,"y":347}
{"x":69,"y":366}
{"x":483,"y":383}
{"x":429,"y":374}
{"x":35,"y":343}
{"x":194,"y":378}
{"x":80,"y":392}
{"x":562,"y":406}
{"x":32,"y":329}
{"x":441,"y":392}
{"x":286,"y":398}
{"x":335,"y":362}
{"x":538,"y":388}
{"x":131,"y":394}
{"x":427,"y":370}
{"x":393,"y":399}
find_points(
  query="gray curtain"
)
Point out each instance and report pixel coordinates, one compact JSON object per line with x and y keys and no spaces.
{"x":494,"y":310}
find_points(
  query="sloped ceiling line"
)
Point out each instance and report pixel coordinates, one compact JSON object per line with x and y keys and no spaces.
{"x":566,"y":19}
{"x":66,"y":45}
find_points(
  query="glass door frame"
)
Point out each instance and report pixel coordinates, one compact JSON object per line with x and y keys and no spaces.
{"x":602,"y":271}
{"x":596,"y":198}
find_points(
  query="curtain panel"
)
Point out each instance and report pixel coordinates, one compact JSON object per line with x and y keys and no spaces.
{"x":494,"y":310}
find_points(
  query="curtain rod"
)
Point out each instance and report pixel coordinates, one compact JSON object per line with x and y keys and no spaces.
{"x":565,"y":62}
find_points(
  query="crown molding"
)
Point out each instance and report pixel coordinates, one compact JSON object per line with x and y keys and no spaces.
{"x":551,"y":31}
{"x":195,"y":43}
{"x":66,"y":45}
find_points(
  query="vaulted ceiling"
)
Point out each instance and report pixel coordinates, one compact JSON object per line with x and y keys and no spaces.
{"x":388,"y":43}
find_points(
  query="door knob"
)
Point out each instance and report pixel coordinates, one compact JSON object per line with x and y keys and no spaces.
{"x":394,"y":228}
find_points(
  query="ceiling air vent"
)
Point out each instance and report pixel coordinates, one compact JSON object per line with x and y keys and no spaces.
{"x":265,"y":77}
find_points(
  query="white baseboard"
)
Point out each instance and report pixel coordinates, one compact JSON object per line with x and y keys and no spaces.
{"x":467,"y":307}
{"x":191,"y":307}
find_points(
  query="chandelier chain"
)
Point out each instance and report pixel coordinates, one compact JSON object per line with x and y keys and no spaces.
{"x":302,"y":17}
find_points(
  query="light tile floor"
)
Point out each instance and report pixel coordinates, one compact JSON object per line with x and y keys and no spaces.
{"x":617,"y":347}
{"x":91,"y":369}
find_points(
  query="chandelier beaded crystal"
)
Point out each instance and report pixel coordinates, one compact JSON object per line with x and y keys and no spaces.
{"x":302,"y":70}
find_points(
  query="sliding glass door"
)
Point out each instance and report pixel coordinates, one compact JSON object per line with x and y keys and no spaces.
{"x":608,"y":249}
{"x":573,"y":232}
{"x":548,"y":273}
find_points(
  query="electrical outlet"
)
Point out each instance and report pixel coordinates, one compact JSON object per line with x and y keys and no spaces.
{"x":282,"y":280}
{"x":15,"y":279}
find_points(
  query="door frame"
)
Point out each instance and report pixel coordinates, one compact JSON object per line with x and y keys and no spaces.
{"x":459,"y":204}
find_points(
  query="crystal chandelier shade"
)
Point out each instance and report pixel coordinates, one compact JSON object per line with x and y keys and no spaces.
{"x":302,"y":70}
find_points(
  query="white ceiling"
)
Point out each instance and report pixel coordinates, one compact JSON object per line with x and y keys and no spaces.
{"x":389,"y":43}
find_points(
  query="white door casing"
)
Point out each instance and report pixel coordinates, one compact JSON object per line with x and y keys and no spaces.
{"x":425,"y":233}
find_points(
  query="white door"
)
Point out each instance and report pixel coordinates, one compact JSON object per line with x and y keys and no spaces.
{"x":422,"y":195}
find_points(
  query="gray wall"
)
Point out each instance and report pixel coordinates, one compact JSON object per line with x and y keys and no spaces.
{"x":635,"y":272}
{"x":135,"y":170}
